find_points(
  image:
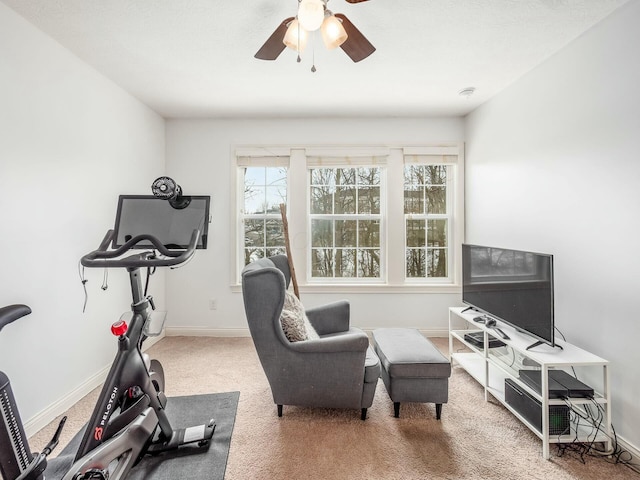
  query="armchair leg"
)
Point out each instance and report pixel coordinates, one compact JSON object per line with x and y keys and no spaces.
{"x":363,"y":415}
{"x":279,"y":410}
{"x":438,"y":410}
{"x":396,"y":409}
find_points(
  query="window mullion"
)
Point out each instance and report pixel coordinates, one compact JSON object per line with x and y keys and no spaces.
{"x":297,"y":201}
{"x":395,"y":219}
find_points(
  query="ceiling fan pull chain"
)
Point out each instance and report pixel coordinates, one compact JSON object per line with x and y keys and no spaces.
{"x":313,"y":58}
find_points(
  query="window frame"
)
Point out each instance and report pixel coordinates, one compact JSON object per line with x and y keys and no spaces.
{"x":380,"y":217}
{"x":426,"y":216}
{"x":453,"y":157}
{"x":246,"y":158}
{"x":300,"y":160}
{"x":265,"y":216}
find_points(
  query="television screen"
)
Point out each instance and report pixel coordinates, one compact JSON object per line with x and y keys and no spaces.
{"x":147,"y":214}
{"x":511,"y":285}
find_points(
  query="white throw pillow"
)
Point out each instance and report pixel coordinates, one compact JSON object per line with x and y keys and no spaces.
{"x":295,"y":324}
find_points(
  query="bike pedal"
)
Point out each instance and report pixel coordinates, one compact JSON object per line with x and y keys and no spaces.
{"x":200,"y":434}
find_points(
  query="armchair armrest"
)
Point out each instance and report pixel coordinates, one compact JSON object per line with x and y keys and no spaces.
{"x":330,"y":318}
{"x":354,"y":340}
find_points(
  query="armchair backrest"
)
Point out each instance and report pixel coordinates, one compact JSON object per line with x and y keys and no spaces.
{"x":264,"y":283}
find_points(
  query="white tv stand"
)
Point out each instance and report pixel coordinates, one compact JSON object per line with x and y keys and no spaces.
{"x":492,"y":366}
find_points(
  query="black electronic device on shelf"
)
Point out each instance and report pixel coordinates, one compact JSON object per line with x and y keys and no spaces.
{"x":561,"y":384}
{"x":477,"y":340}
{"x":530,"y":409}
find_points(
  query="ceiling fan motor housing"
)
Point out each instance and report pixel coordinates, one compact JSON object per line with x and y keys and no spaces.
{"x":356,"y":45}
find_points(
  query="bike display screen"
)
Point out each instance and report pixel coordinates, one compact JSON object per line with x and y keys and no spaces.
{"x":172,"y":225}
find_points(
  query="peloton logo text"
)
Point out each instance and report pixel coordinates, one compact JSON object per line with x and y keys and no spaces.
{"x":97,"y":434}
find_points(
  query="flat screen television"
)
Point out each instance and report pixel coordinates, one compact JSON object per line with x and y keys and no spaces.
{"x":513,"y":286}
{"x":147,"y":214}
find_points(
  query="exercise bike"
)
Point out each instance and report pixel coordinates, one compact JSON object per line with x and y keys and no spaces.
{"x":129,"y":419}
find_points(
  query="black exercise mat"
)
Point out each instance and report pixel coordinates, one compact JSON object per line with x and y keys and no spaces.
{"x":188,"y":462}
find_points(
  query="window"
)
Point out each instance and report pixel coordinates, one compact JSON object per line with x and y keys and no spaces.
{"x":344,"y":211}
{"x":358,"y":217}
{"x":264,"y":189}
{"x":430,"y":216}
{"x":427,"y":220}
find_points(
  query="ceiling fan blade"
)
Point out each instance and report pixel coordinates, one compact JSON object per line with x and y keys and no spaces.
{"x":274,"y":46}
{"x":357,"y":46}
{"x":356,"y":1}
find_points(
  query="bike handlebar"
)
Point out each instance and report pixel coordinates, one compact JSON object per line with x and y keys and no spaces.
{"x":105,"y":258}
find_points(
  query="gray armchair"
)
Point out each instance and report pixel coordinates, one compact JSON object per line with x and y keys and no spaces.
{"x":338,"y":370}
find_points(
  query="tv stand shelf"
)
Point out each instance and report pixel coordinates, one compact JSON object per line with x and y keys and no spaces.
{"x":493,"y":367}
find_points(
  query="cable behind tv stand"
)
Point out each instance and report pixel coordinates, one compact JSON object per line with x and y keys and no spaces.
{"x":499,"y":369}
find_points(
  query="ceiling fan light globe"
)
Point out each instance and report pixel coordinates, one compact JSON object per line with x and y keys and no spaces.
{"x":311,"y":14}
{"x":333,"y":33}
{"x":296,"y":37}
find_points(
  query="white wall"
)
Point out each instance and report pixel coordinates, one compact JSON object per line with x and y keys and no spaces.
{"x":199,"y":157}
{"x":553,"y":166}
{"x":70,"y":142}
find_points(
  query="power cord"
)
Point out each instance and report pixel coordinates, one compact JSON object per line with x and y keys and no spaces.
{"x":617,"y":453}
{"x":150,"y":271}
{"x":105,"y":278}
{"x":84,"y":281}
{"x":586,"y":418}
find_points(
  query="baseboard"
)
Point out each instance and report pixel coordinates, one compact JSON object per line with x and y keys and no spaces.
{"x":244,"y":332}
{"x":206,"y":332}
{"x":426,"y":333}
{"x":435,"y":333}
{"x":46,"y":416}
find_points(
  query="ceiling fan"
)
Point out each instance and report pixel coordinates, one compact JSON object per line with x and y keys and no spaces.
{"x":337,"y":30}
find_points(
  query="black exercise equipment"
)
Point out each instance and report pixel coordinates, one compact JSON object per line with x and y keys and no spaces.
{"x":129,"y":419}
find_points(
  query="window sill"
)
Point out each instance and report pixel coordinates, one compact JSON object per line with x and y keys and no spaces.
{"x":373,"y":288}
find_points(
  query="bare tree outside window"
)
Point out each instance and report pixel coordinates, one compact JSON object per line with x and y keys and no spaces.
{"x":265,"y":188}
{"x":426,"y":221}
{"x":345,"y":222}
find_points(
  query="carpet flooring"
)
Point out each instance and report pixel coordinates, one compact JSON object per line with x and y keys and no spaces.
{"x":474,"y":440}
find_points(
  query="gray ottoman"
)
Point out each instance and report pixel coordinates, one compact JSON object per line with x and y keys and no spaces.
{"x":413,"y":369}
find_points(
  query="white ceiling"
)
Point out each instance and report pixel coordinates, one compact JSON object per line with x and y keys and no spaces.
{"x":194,"y":58}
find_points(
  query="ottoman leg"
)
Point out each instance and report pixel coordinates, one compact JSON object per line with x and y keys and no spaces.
{"x":396,"y":409}
{"x":438,"y":410}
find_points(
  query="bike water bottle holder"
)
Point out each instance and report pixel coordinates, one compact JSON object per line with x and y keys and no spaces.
{"x":154,"y":325}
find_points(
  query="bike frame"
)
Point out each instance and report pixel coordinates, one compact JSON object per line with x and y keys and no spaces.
{"x":129,"y":369}
{"x":112,"y":443}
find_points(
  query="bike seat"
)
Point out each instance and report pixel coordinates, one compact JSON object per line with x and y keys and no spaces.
{"x":11,"y":313}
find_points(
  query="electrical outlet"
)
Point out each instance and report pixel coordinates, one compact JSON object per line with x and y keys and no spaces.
{"x":213,"y":304}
